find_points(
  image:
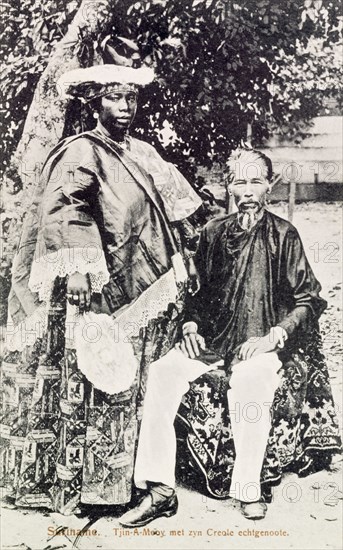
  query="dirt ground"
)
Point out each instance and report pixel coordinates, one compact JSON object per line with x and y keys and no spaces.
{"x":305,"y":513}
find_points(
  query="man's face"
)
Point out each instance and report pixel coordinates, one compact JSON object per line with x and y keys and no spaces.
{"x":118,"y":110}
{"x":250,"y":185}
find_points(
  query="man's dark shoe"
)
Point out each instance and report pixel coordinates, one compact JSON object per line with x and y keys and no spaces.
{"x":152,"y":506}
{"x":254,"y":510}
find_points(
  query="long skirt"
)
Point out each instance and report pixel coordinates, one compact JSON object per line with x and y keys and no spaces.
{"x":303,"y":437}
{"x":63,"y":442}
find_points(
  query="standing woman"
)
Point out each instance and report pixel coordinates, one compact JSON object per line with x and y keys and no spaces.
{"x":97,"y":293}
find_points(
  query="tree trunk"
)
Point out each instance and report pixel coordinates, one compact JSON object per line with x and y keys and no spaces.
{"x":46,"y":117}
{"x":44,"y":127}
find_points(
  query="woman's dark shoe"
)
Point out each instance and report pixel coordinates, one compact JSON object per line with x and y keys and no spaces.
{"x":152,"y":506}
{"x":254,"y":510}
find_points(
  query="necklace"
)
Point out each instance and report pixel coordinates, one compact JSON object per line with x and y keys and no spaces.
{"x":124,"y":143}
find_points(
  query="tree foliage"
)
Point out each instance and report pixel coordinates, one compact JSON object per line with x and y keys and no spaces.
{"x":221,"y":65}
{"x":30,"y":31}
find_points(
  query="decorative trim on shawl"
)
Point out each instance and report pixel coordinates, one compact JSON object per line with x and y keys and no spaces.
{"x":67,"y":261}
{"x":130,"y":319}
{"x":102,"y":341}
{"x":179,"y":198}
{"x":153,"y":300}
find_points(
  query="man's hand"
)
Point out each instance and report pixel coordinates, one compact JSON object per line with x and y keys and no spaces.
{"x":79,"y":291}
{"x":255,"y":346}
{"x":191,"y":342}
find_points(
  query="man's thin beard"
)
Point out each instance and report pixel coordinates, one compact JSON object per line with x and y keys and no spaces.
{"x":247,"y":220}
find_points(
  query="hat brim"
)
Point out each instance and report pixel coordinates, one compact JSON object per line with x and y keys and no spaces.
{"x":74,"y":83}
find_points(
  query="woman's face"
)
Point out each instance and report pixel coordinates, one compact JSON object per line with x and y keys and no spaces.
{"x":118,"y":109}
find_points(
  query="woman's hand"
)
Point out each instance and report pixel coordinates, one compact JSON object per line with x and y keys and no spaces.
{"x":79,"y":291}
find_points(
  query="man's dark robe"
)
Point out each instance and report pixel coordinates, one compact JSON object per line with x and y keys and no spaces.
{"x":250,"y":282}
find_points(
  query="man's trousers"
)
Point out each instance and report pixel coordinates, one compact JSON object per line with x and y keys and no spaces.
{"x":252,"y":387}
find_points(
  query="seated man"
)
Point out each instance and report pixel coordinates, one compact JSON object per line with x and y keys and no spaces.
{"x":258,"y":301}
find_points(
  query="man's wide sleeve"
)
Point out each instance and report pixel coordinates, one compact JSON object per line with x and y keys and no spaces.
{"x":301,"y":286}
